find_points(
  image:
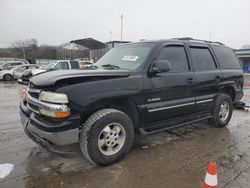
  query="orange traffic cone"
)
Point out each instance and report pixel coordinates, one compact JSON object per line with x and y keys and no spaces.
{"x":211,"y":180}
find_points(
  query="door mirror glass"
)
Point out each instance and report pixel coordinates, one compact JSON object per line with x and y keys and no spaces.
{"x":161,"y":66}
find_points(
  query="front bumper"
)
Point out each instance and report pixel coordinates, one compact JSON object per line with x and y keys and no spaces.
{"x":48,"y":138}
{"x":23,"y":82}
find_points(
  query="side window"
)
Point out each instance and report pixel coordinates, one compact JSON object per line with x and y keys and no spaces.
{"x":202,"y":59}
{"x":33,"y":67}
{"x":226,"y":57}
{"x":176,"y":56}
{"x":62,"y":65}
{"x":15,"y":64}
{"x":21,"y":69}
{"x":74,"y":64}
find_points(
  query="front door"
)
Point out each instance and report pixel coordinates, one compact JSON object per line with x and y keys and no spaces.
{"x":170,"y":94}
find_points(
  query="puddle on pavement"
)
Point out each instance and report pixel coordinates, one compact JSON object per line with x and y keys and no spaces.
{"x":174,"y":155}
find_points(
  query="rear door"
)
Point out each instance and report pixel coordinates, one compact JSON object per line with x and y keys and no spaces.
{"x":207,"y":75}
{"x":18,"y":71}
{"x":170,"y":94}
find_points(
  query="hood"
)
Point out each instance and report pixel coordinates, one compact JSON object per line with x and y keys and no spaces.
{"x":52,"y":77}
{"x":37,"y":71}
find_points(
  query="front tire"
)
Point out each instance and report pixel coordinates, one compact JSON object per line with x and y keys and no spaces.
{"x":8,"y":77}
{"x":106,"y":137}
{"x":222,"y":111}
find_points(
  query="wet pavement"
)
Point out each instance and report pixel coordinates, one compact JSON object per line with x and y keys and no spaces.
{"x":174,"y":159}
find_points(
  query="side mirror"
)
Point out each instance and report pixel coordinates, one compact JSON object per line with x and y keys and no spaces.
{"x":160,"y":66}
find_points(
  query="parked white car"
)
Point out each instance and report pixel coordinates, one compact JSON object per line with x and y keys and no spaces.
{"x":16,"y":72}
{"x":56,"y":65}
{"x":12,"y":64}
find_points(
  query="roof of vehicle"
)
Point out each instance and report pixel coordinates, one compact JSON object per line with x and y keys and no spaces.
{"x":14,"y":62}
{"x":181,"y":40}
{"x":24,"y":65}
{"x":64,"y":60}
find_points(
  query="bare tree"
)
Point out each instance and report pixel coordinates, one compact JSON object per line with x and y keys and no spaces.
{"x":26,"y":48}
{"x":29,"y":49}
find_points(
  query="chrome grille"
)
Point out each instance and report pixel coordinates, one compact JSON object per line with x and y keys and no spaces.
{"x":34,"y":93}
{"x":33,"y":108}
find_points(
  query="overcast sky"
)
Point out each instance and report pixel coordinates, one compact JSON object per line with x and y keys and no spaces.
{"x":59,"y":21}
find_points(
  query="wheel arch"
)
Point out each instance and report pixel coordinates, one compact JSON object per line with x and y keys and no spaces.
{"x":228,"y":90}
{"x":125,"y":105}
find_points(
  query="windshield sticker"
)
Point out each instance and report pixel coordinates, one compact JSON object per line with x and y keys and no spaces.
{"x":130,"y":58}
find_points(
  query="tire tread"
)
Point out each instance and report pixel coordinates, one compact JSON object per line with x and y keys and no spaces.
{"x":86,"y":129}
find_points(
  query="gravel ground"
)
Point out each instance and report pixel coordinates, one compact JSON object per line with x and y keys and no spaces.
{"x":176,"y":158}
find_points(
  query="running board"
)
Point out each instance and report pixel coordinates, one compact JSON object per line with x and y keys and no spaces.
{"x":163,"y":126}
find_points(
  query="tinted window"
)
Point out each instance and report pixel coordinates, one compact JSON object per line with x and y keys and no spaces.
{"x":202,"y":59}
{"x":14,"y":64}
{"x":62,"y":65}
{"x":74,"y":64}
{"x":226,"y":57}
{"x":176,"y":56}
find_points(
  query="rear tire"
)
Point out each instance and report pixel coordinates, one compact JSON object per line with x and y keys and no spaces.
{"x":8,"y":77}
{"x":222,"y":111}
{"x":106,"y":136}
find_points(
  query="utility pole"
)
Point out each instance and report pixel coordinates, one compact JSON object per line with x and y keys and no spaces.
{"x":210,"y":36}
{"x":110,"y":33}
{"x":24,"y":53}
{"x":121,"y":26}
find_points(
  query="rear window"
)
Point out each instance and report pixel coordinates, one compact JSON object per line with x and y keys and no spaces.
{"x":202,"y":59}
{"x":226,"y":57}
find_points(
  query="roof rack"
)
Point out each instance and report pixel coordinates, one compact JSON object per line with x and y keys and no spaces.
{"x":198,"y":40}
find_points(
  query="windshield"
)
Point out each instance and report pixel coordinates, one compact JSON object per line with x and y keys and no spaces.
{"x":49,"y":66}
{"x":127,"y":57}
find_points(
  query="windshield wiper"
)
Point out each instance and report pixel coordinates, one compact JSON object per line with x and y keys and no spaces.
{"x":111,"y":66}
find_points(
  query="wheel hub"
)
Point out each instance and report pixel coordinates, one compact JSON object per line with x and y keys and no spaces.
{"x":112,"y":138}
{"x":224,"y":111}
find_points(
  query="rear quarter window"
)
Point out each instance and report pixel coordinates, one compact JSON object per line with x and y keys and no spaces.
{"x":226,"y":57}
{"x":74,"y":64}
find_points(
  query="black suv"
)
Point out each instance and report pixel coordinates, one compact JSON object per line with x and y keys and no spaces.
{"x":141,"y":88}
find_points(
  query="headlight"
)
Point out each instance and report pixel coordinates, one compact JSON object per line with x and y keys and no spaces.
{"x":52,"y":97}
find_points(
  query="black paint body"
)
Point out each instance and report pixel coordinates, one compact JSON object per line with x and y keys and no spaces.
{"x":153,"y":101}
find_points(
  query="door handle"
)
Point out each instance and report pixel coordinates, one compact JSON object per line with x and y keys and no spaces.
{"x":190,"y":80}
